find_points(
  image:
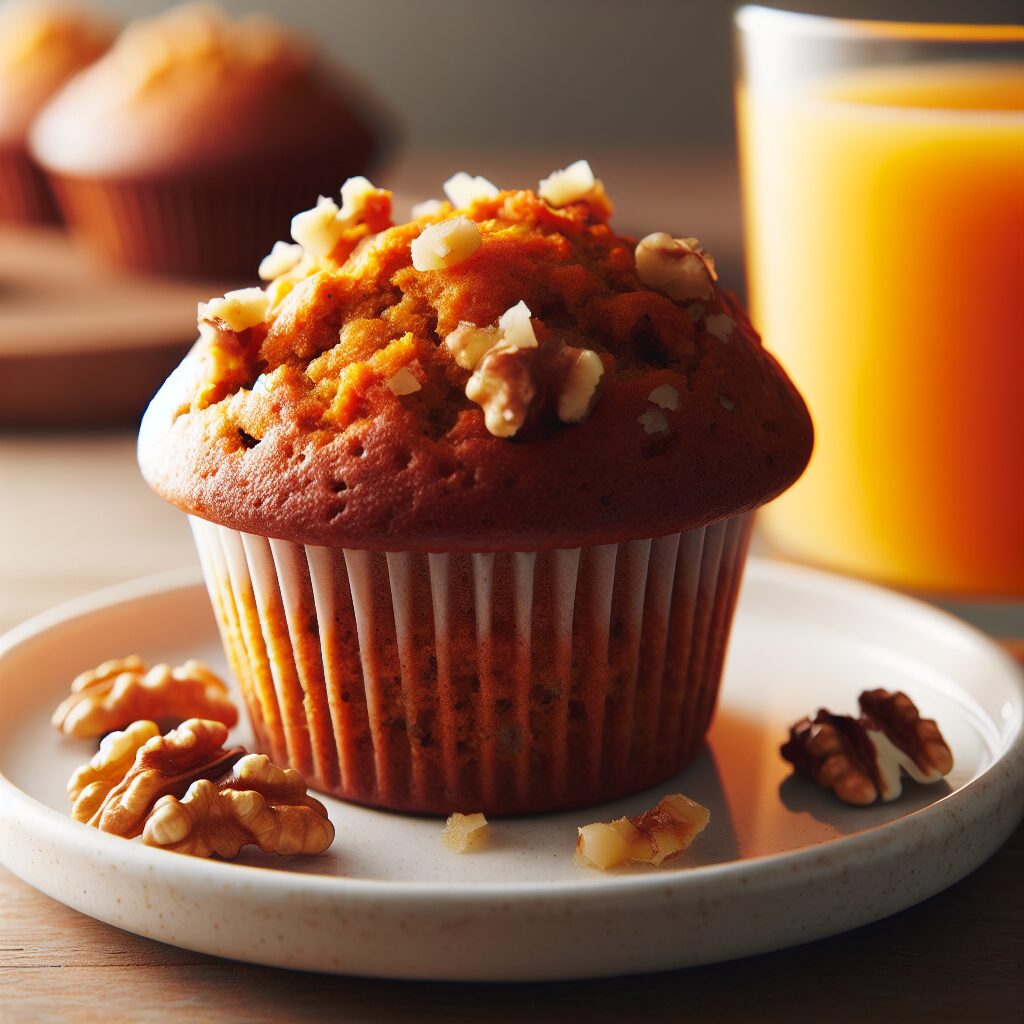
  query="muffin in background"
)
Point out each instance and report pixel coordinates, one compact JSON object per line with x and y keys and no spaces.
{"x":186,"y":147}
{"x":41,"y":46}
{"x":471,"y":494}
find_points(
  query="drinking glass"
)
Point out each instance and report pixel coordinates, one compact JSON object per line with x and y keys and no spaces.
{"x":883,"y":183}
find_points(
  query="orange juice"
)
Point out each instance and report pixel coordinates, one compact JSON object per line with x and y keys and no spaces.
{"x":885,"y":230}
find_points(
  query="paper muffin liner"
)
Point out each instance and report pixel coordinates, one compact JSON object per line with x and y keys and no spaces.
{"x":509,"y":682}
{"x":204,"y":228}
{"x":25,"y":196}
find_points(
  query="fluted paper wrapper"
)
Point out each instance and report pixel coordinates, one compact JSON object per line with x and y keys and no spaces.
{"x":24,"y":195}
{"x":509,"y":682}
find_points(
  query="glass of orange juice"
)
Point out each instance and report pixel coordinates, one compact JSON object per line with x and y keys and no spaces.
{"x":883,"y":184}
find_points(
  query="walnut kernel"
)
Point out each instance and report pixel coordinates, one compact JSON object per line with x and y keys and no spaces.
{"x":862,"y":759}
{"x":257,"y":804}
{"x":445,"y":245}
{"x":465,"y":189}
{"x":653,"y":837}
{"x":237,"y":310}
{"x":677,"y":267}
{"x":118,"y":692}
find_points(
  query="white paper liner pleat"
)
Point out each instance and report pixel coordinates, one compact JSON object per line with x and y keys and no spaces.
{"x":506,"y":682}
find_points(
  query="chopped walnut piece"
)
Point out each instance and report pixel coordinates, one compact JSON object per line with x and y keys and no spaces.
{"x":580,"y":386}
{"x":653,"y":421}
{"x":281,"y":259}
{"x":573,"y":184}
{"x":403,"y":383}
{"x":503,"y":387}
{"x":257,"y":804}
{"x":445,"y":245}
{"x":720,"y":325}
{"x":464,"y":189}
{"x":320,"y":229}
{"x":427,"y":208}
{"x":653,"y":837}
{"x":468,"y":343}
{"x":118,"y":692}
{"x":161,"y":765}
{"x":462,"y":831}
{"x":665,"y":397}
{"x":861,"y":759}
{"x":677,"y":267}
{"x":237,"y":310}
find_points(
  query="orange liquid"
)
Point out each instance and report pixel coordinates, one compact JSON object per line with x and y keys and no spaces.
{"x":885,"y":226}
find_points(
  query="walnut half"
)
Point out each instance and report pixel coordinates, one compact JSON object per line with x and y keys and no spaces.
{"x":257,"y":804}
{"x":121,"y":691}
{"x":186,"y":792}
{"x":862,"y":759}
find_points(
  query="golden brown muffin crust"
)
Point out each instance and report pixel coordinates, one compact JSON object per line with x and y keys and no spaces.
{"x":292,"y":428}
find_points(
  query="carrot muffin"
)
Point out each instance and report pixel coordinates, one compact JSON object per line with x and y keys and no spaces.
{"x":196,"y":137}
{"x":471,"y":493}
{"x":41,"y":46}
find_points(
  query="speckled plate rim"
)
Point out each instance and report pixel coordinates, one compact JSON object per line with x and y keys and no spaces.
{"x":544,"y":930}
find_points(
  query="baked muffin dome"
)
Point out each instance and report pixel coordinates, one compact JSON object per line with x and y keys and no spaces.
{"x":225,"y":127}
{"x":502,"y":371}
{"x":41,"y":46}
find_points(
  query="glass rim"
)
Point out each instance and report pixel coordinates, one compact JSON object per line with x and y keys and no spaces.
{"x":754,"y":17}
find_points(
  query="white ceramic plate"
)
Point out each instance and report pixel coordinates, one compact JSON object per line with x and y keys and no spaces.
{"x":780,"y":863}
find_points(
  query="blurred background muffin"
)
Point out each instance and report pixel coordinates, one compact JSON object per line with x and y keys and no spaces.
{"x":188,"y":146}
{"x":41,"y":46}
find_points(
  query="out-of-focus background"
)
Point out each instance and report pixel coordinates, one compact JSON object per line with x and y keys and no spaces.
{"x":574,"y":74}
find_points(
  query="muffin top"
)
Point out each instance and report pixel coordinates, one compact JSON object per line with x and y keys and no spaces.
{"x":41,"y":46}
{"x":191,"y":91}
{"x":502,"y":371}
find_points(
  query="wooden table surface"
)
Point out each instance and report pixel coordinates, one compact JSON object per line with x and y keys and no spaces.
{"x":74,"y":516}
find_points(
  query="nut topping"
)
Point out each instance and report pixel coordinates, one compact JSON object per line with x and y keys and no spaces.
{"x":118,"y":692}
{"x":256,"y":804}
{"x":665,"y":397}
{"x":572,"y":184}
{"x":511,"y":371}
{"x":281,"y":259}
{"x":653,"y":421}
{"x":465,"y":189}
{"x":503,"y":387}
{"x":677,"y":267}
{"x":579,"y":387}
{"x":861,"y":759}
{"x":237,"y":310}
{"x":650,"y":838}
{"x":445,"y":245}
{"x":720,"y":325}
{"x":320,"y":229}
{"x":462,"y":831}
{"x":403,"y":383}
{"x":468,"y":343}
